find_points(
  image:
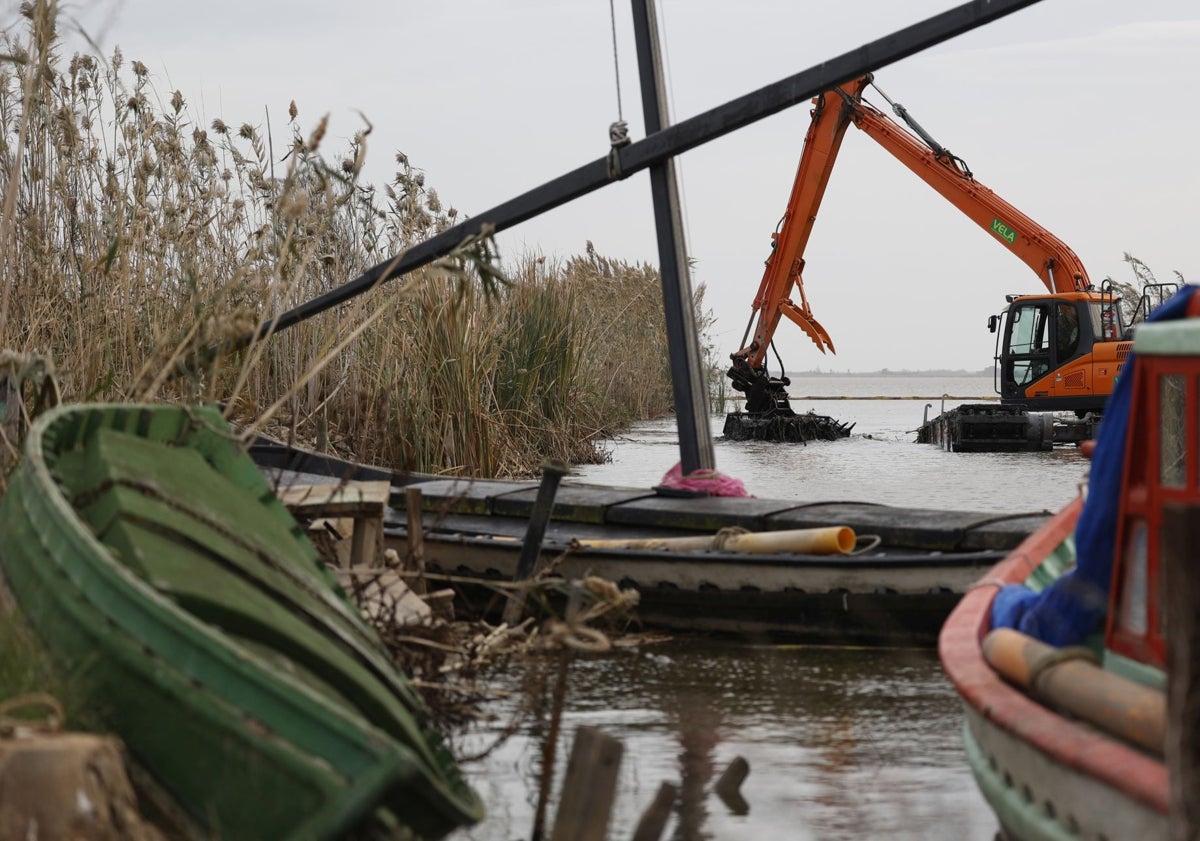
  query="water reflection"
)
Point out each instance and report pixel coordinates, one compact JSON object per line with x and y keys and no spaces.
{"x":697,"y":724}
{"x":841,"y":743}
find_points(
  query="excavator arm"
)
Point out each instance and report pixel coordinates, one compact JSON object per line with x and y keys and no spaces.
{"x":784,"y":267}
{"x":1050,"y":258}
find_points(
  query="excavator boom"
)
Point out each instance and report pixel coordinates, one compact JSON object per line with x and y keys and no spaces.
{"x":1057,"y":351}
{"x":1051,"y":259}
{"x":784,"y":266}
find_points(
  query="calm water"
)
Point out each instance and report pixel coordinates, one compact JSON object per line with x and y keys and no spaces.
{"x":842,"y":743}
{"x":878,"y":463}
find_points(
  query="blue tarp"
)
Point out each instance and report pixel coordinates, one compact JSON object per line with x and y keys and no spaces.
{"x":1074,"y":606}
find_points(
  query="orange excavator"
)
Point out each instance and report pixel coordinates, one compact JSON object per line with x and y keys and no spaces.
{"x":1055,"y":352}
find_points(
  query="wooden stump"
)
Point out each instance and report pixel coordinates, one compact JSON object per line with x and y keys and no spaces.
{"x":729,"y":786}
{"x":589,"y":787}
{"x":654,"y":819}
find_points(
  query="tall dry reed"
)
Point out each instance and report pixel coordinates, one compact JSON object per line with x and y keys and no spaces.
{"x":132,"y":237}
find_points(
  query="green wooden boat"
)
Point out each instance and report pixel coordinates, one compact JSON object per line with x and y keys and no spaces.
{"x":147,"y":550}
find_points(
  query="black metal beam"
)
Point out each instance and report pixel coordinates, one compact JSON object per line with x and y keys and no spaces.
{"x":683,"y":342}
{"x":662,"y":145}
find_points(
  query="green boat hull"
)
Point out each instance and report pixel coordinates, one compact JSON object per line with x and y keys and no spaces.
{"x":149,"y":553}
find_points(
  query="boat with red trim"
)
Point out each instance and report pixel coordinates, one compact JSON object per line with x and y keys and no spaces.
{"x":1059,"y":652}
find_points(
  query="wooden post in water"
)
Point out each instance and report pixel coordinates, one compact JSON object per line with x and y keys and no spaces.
{"x":654,"y":819}
{"x":535,"y":532}
{"x":729,"y":786}
{"x":589,"y":787}
{"x":1180,"y":554}
{"x":550,"y":744}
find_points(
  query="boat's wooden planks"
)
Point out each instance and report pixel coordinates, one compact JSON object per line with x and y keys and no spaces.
{"x":220,"y":559}
{"x":467,"y":496}
{"x":353,"y":499}
{"x":575,"y":503}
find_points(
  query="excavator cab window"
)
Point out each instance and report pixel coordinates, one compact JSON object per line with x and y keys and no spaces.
{"x":1026,"y":354}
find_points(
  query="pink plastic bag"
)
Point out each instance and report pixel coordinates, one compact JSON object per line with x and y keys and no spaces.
{"x":710,"y":481}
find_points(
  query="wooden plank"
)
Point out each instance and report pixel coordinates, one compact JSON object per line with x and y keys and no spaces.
{"x":384,"y":594}
{"x":344,"y":499}
{"x":366,"y":542}
{"x":589,"y":787}
{"x":468,"y":496}
{"x":364,"y":502}
{"x":573,"y":502}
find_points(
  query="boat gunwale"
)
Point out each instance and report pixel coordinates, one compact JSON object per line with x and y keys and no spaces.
{"x":54,"y":495}
{"x":1064,"y":740}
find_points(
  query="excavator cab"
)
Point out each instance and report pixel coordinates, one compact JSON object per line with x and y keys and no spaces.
{"x":1048,"y":351}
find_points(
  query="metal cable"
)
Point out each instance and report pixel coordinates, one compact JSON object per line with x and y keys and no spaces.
{"x":612,"y":12}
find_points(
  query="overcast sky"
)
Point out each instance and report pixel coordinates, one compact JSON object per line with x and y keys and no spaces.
{"x":1079,"y":112}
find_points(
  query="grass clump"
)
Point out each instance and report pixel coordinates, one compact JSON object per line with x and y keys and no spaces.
{"x":133,"y":237}
{"x":568,"y":353}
